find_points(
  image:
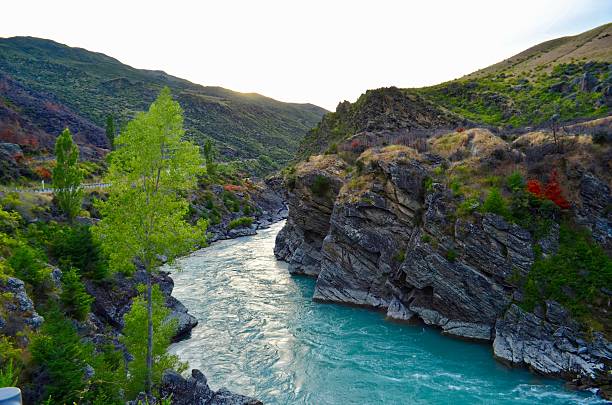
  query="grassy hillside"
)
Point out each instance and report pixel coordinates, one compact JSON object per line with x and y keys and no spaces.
{"x":94,"y":85}
{"x":568,"y":78}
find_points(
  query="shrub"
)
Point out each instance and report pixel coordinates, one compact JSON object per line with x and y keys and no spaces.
{"x":468,"y":206}
{"x":74,"y":246}
{"x":515,"y":181}
{"x":552,"y":191}
{"x":451,"y":255}
{"x":320,"y":186}
{"x":495,"y":203}
{"x":428,"y":184}
{"x":400,"y":256}
{"x":240,"y":222}
{"x":76,"y":302}
{"x":425,"y":238}
{"x":29,"y":264}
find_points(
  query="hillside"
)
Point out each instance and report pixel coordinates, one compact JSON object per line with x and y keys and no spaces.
{"x":89,"y":86}
{"x":569,"y":78}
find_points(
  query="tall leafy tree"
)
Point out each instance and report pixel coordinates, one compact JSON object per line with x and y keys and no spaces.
{"x":144,"y":216}
{"x":67,"y":176}
{"x":110,"y":130}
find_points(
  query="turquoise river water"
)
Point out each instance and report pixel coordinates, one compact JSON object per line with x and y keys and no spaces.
{"x":260,"y":334}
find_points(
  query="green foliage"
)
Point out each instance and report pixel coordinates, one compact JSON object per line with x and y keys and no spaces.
{"x":428,"y":184}
{"x":58,"y":350}
{"x":519,"y":100}
{"x":574,"y":276}
{"x":135,"y":340}
{"x":455,"y":186}
{"x":67,"y":176}
{"x":451,"y":255}
{"x":70,"y":246}
{"x":515,"y":182}
{"x":425,"y":238}
{"x":400,"y":256}
{"x":110,"y":130}
{"x":9,"y":375}
{"x":241,"y":222}
{"x":75,"y":300}
{"x":209,"y":157}
{"x":495,"y":203}
{"x":468,"y":206}
{"x":231,"y":202}
{"x":332,"y":150}
{"x":320,"y":186}
{"x":9,"y":221}
{"x":30,"y":265}
{"x":150,"y":170}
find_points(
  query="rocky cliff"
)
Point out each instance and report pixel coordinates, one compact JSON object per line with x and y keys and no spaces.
{"x":415,"y":234}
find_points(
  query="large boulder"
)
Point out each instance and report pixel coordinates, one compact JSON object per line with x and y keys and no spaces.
{"x":195,"y":391}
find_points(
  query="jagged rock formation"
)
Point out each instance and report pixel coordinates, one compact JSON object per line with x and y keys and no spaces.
{"x":391,"y":235}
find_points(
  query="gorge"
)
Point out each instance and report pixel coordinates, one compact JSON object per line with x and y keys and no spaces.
{"x":260,"y":334}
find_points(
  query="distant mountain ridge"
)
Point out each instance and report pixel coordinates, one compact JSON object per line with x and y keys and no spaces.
{"x":92,"y":85}
{"x":567,"y":78}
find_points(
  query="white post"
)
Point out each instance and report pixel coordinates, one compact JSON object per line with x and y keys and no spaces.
{"x":10,"y":396}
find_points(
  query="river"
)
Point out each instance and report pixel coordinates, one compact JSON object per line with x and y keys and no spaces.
{"x":260,"y":334}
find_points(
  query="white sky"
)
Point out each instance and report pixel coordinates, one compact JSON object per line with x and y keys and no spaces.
{"x":313,"y":51}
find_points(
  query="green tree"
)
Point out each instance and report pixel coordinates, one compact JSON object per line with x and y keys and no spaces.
{"x":67,"y":176}
{"x":110,"y":130}
{"x":209,"y":157}
{"x":495,"y":203}
{"x":75,"y":300}
{"x":144,"y":215}
{"x":135,"y":340}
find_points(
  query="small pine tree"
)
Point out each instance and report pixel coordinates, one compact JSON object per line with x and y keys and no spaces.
{"x":67,"y":176}
{"x":75,"y":300}
{"x":495,"y":203}
{"x":110,"y":130}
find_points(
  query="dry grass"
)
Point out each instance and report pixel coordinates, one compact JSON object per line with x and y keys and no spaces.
{"x":476,"y":142}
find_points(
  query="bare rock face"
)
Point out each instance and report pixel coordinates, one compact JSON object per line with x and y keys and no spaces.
{"x":552,"y":344}
{"x":311,"y":199}
{"x":595,"y":211}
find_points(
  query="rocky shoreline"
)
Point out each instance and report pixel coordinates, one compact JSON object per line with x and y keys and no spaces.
{"x":386,"y":240}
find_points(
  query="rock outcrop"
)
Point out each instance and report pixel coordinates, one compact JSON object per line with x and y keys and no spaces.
{"x":17,"y":312}
{"x":391,"y":235}
{"x":551,"y":343}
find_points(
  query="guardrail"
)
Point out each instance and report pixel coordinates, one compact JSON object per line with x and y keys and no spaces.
{"x":50,"y":190}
